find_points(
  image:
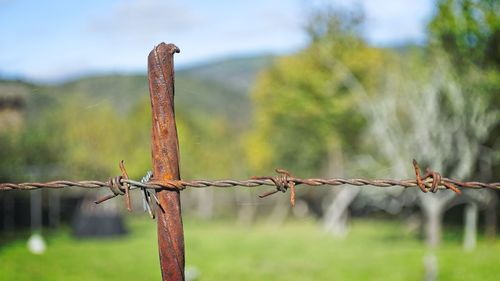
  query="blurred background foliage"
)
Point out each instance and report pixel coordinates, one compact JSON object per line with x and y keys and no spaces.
{"x":312,"y":112}
{"x":338,"y":107}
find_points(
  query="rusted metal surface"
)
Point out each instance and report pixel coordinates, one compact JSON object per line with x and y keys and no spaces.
{"x":165,"y":155}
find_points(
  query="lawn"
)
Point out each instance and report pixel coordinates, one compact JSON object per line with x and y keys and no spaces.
{"x":222,"y":250}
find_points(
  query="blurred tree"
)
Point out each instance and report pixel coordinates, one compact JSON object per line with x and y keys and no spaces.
{"x":468,"y":30}
{"x":200,"y":138}
{"x":32,"y":150}
{"x":425,"y":113}
{"x":307,"y":114}
{"x":306,"y":104}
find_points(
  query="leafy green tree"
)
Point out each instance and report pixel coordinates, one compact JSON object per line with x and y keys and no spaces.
{"x":468,"y":30}
{"x":469,"y":33}
{"x":306,"y":105}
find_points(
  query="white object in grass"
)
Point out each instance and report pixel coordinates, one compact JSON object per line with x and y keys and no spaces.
{"x":36,"y":244}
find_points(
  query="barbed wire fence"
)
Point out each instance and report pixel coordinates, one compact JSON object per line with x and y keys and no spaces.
{"x":431,"y":181}
{"x":157,"y":191}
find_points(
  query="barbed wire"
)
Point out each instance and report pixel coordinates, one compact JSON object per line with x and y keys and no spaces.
{"x":121,"y":185}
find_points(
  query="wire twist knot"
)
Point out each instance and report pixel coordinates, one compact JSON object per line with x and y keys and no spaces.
{"x":435,"y":178}
{"x":119,"y":186}
{"x":283,"y":181}
{"x":116,"y":186}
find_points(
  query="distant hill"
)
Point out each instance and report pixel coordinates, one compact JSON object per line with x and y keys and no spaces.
{"x":218,"y":88}
{"x":236,"y":73}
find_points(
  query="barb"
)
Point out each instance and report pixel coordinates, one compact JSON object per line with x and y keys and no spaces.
{"x":127,"y":186}
{"x":430,"y":181}
{"x":282,"y":183}
{"x":146,"y":196}
{"x":436,"y":180}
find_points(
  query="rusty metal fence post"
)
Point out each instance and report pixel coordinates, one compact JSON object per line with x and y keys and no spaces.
{"x":165,"y":157}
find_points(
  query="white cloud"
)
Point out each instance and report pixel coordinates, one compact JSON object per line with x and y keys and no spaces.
{"x":390,"y":22}
{"x":145,"y":19}
{"x":394,"y":21}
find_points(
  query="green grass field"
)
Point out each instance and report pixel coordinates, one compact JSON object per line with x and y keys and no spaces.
{"x":298,"y":250}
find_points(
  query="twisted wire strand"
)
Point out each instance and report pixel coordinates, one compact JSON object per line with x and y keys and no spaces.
{"x":226,"y":183}
{"x":121,"y":185}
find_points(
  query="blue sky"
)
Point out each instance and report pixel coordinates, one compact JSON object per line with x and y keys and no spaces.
{"x":52,"y":40}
